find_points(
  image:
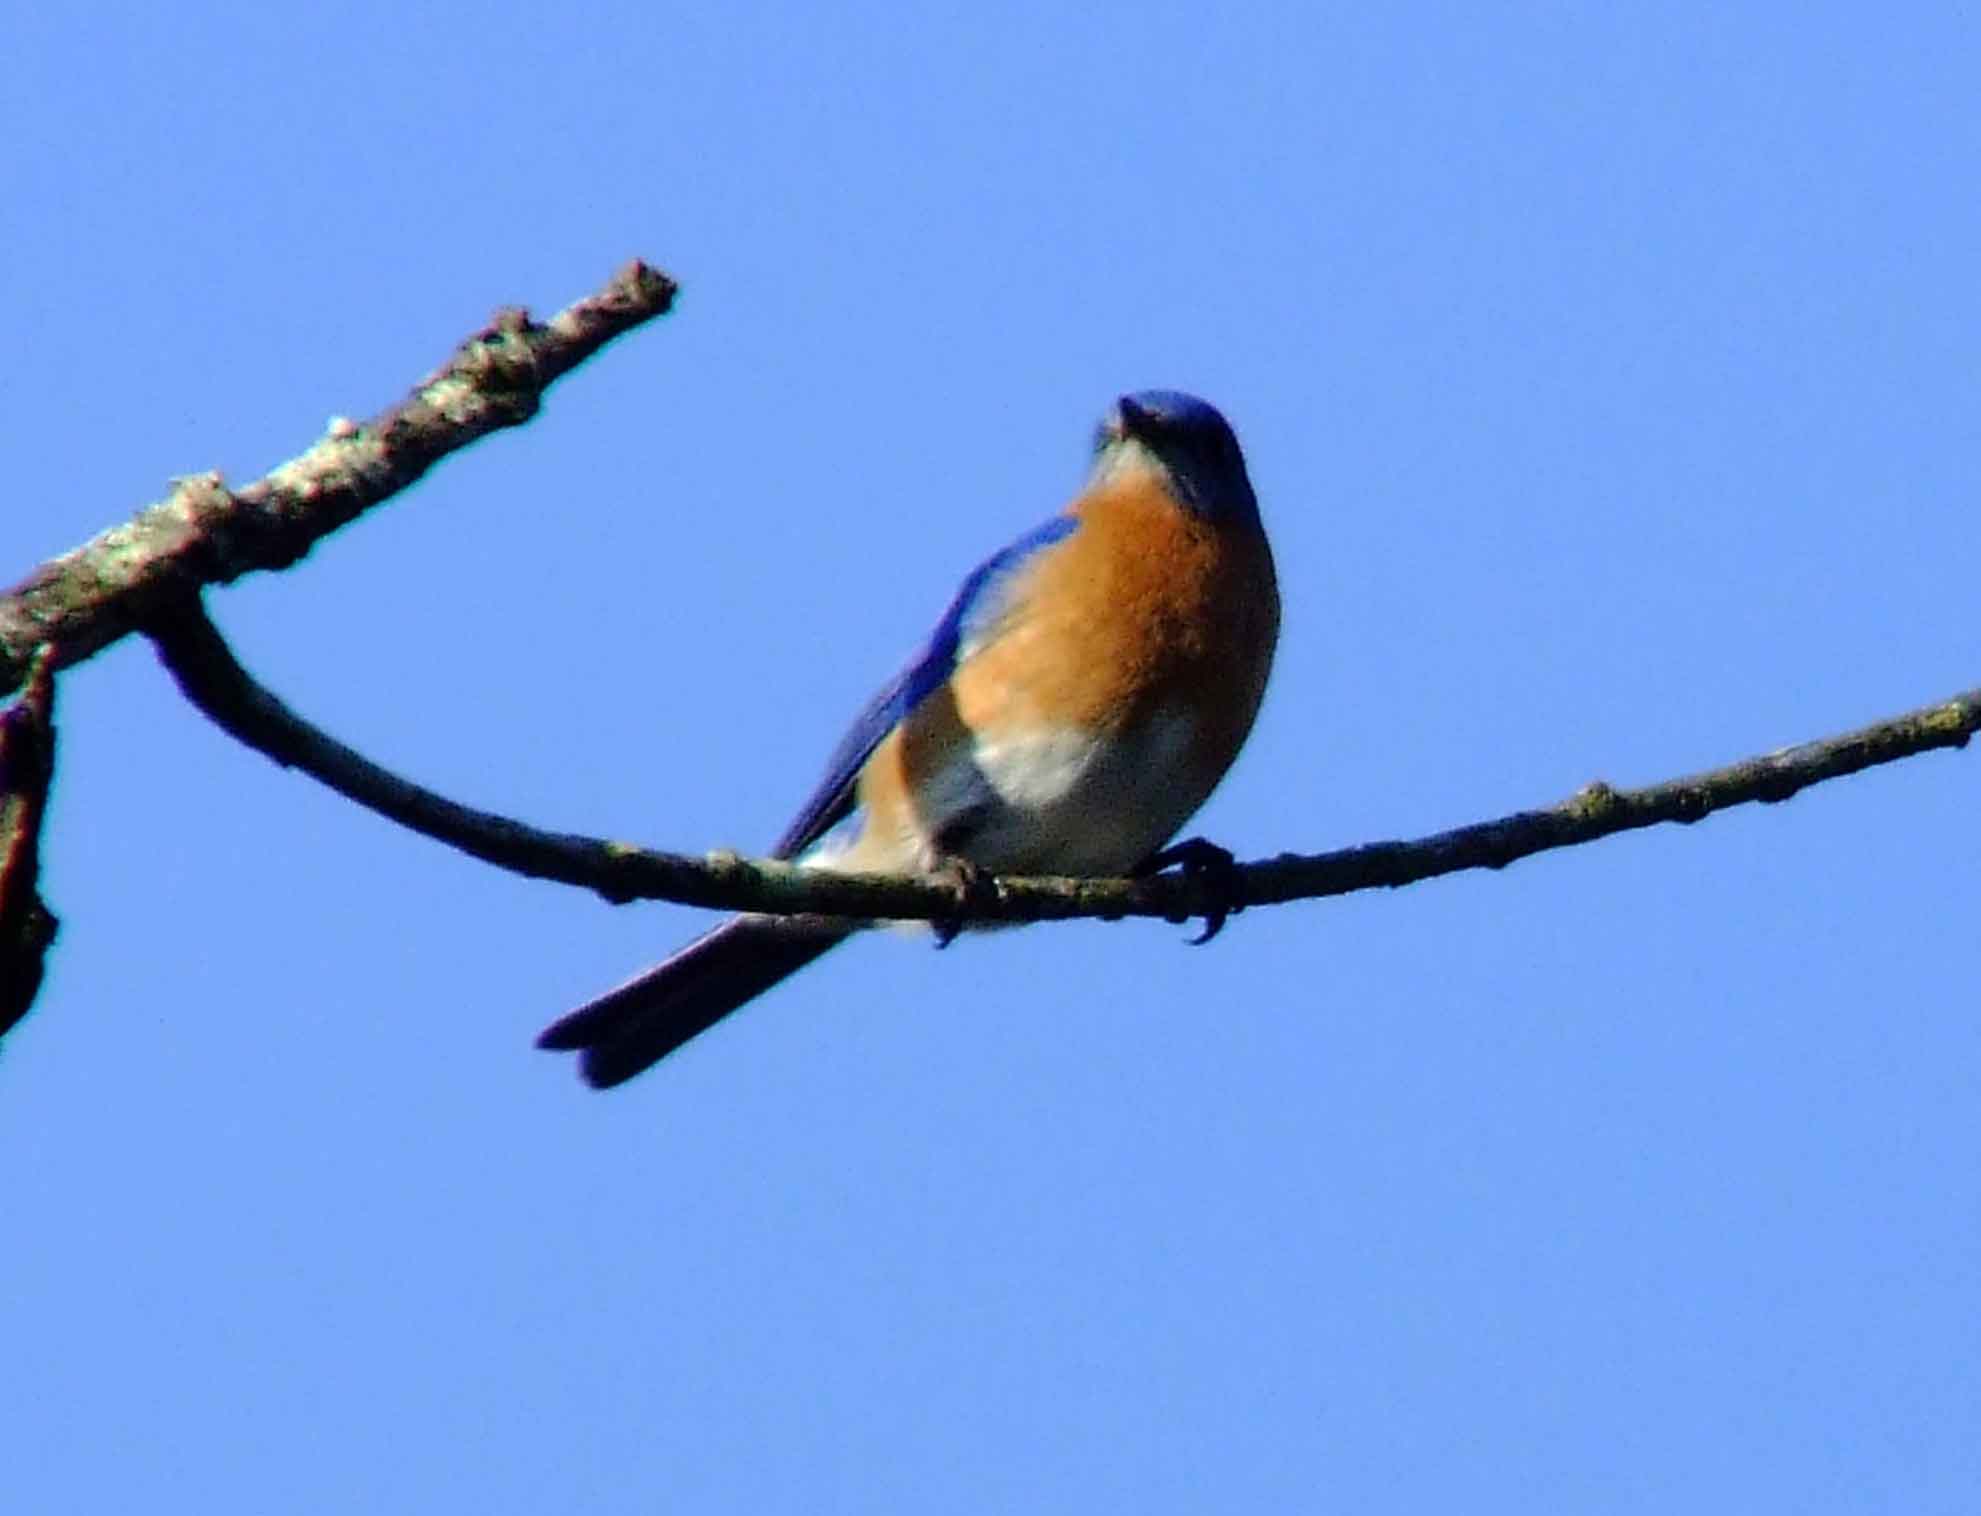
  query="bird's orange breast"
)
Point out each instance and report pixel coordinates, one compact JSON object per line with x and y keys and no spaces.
{"x":1147,"y":611}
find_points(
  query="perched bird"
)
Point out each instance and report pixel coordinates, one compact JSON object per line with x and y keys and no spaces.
{"x":1081,"y":697}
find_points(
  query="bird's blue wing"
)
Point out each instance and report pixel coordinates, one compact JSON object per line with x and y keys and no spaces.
{"x":970,"y":616}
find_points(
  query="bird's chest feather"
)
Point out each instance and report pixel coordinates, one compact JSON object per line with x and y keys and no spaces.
{"x":1074,"y":801}
{"x":1144,"y":608}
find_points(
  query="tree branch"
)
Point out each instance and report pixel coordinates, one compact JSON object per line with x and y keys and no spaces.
{"x":214,"y":680}
{"x":203,"y":533}
{"x":27,"y":765}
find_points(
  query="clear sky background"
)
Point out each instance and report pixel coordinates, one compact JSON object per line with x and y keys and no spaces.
{"x":1609,"y":376}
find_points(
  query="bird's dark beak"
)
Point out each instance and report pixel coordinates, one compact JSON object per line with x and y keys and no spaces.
{"x":1130,"y":418}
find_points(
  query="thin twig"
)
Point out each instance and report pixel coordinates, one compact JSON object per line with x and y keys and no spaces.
{"x":214,"y":681}
{"x":203,"y":533}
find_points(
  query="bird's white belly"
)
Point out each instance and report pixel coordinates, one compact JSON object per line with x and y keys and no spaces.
{"x":1066,"y":801}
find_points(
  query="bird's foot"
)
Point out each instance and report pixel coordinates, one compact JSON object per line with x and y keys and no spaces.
{"x":1209,"y":866}
{"x":972,"y":886}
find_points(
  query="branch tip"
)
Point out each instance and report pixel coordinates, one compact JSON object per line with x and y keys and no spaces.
{"x":204,"y":533}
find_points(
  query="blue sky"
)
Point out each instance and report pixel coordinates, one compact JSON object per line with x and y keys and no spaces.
{"x":1608,"y":375}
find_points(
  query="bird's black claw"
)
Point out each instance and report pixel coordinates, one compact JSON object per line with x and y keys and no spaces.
{"x":972,"y":885}
{"x":1210,"y":866}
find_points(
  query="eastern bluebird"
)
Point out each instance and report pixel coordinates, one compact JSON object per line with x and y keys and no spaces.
{"x":1081,"y":697}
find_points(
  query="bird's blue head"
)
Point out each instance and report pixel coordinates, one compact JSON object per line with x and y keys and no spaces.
{"x":1189,"y":442}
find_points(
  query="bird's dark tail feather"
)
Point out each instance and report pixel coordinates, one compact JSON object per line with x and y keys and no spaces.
{"x":633,"y":1027}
